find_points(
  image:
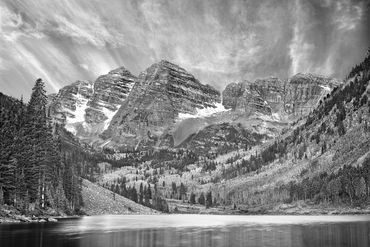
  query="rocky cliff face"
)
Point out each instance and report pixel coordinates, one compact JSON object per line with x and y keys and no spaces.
{"x":233,"y":93}
{"x":86,"y":108}
{"x":221,"y":138}
{"x":162,"y":94}
{"x":304,"y":91}
{"x":296,"y":96}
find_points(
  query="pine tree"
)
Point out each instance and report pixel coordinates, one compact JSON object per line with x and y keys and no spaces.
{"x":192,"y":198}
{"x":37,"y":172}
{"x":146,"y":196}
{"x":182,"y":191}
{"x":209,"y":199}
{"x":149,"y":192}
{"x":201,"y":199}
{"x":133,"y":194}
{"x":60,"y":200}
{"x":141,"y":195}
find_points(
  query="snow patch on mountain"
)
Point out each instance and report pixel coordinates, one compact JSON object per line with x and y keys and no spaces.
{"x":203,"y":112}
{"x":326,"y":88}
{"x":78,"y":114}
{"x":109,"y":114}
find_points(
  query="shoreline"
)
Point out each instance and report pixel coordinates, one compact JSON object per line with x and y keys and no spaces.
{"x":34,"y":219}
{"x":53,"y":219}
{"x":9,"y":214}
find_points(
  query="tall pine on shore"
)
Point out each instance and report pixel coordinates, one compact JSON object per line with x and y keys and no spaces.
{"x":33,"y":175}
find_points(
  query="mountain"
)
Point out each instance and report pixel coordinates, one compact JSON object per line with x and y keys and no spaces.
{"x":166,"y":106}
{"x":86,"y":108}
{"x":163,"y":94}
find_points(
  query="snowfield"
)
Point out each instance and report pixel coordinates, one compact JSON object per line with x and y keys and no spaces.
{"x":202,"y":113}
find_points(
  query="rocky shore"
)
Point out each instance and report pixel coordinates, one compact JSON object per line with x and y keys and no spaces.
{"x":9,"y":214}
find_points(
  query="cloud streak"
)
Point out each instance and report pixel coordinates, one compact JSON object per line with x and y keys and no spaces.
{"x":218,"y":41}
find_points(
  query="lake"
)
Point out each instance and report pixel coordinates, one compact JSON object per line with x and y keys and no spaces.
{"x":191,"y":230}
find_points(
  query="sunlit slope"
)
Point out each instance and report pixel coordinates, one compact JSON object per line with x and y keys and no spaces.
{"x":98,"y":200}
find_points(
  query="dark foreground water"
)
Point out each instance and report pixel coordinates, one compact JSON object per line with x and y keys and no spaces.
{"x":192,"y":230}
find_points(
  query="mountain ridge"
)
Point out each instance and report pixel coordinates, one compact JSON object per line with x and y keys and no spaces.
{"x":165,"y":104}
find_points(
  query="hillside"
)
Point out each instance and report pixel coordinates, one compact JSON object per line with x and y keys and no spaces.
{"x":324,"y":159}
{"x":98,"y":200}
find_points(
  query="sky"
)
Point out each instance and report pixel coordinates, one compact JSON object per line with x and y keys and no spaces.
{"x":218,"y":41}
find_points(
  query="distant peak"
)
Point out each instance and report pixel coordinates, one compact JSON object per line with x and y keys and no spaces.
{"x":82,"y":82}
{"x":309,"y":75}
{"x":120,"y":70}
{"x":166,"y":64}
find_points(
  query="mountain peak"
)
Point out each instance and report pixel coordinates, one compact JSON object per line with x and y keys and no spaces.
{"x":309,"y":78}
{"x":85,"y":108}
{"x":162,"y":92}
{"x":167,"y":63}
{"x":164,"y":64}
{"x":120,"y":70}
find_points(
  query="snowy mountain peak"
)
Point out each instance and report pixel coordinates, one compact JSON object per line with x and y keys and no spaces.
{"x":86,"y":108}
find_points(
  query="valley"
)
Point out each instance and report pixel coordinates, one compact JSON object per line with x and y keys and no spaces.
{"x":166,"y":141}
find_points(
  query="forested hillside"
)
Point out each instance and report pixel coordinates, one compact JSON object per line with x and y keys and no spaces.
{"x":37,"y":171}
{"x":325,"y":159}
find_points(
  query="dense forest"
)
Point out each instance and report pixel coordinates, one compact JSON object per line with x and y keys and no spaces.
{"x":36,"y":172}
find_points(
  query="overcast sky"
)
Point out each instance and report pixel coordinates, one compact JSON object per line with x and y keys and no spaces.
{"x":219,"y":42}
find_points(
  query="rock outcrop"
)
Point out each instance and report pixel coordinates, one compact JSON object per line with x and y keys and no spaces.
{"x":296,"y":96}
{"x":232,"y":94}
{"x":86,"y":108}
{"x":221,"y":138}
{"x":304,"y":92}
{"x":160,"y":95}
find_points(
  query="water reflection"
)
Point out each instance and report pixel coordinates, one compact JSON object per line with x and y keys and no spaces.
{"x":161,"y":231}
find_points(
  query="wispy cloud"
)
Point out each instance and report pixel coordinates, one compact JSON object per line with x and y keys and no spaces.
{"x":300,"y":48}
{"x":219,"y":41}
{"x":347,"y":15}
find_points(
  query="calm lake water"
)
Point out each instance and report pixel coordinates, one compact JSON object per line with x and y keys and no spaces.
{"x":192,"y":230}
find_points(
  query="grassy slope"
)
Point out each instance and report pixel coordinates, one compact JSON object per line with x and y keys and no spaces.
{"x":98,"y":200}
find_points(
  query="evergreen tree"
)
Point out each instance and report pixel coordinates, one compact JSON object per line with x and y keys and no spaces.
{"x":149,"y":192}
{"x":182,"y":191}
{"x":209,"y":199}
{"x":201,"y":199}
{"x":141,"y":195}
{"x":133,"y":194}
{"x":192,"y":198}
{"x":146,"y":196}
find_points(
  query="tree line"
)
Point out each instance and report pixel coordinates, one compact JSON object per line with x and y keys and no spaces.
{"x":145,"y":196}
{"x":350,"y":185}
